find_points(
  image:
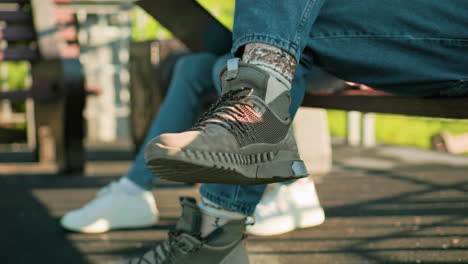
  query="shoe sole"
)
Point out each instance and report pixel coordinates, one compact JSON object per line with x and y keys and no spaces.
{"x":96,"y":229}
{"x":103,"y":226}
{"x":189,"y":172}
{"x":92,"y":230}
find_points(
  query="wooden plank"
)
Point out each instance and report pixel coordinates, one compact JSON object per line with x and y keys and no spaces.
{"x":446,"y":107}
{"x":93,"y":2}
{"x":15,"y":95}
{"x":96,"y":7}
{"x":14,"y":1}
{"x":19,"y":53}
{"x":190,"y":23}
{"x":19,"y":16}
{"x":18,"y":33}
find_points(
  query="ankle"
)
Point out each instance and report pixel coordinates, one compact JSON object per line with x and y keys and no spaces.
{"x":215,"y":216}
{"x":274,"y":60}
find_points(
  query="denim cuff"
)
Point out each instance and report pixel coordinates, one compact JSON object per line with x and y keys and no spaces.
{"x":459,"y":89}
{"x":286,"y":45}
{"x":223,"y":202}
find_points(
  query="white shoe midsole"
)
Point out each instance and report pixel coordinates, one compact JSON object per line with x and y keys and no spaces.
{"x":288,"y":222}
{"x":103,"y":225}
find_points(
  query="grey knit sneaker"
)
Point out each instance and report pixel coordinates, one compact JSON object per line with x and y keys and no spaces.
{"x":244,"y":138}
{"x":184,"y":244}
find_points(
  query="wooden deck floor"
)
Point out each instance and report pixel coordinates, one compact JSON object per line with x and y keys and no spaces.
{"x":386,"y":205}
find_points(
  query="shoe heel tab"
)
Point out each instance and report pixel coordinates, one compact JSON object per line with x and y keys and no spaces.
{"x":232,"y":68}
{"x":190,"y":220}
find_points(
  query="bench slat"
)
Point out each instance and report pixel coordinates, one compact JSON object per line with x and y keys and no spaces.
{"x":19,"y":16}
{"x":18,"y":33}
{"x":455,"y":108}
{"x":19,"y":54}
{"x":14,"y":1}
{"x":15,"y":96}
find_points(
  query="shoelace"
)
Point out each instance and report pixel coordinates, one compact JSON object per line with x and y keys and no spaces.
{"x":227,"y":111}
{"x":164,"y":252}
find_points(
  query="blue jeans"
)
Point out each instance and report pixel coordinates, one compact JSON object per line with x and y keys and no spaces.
{"x":417,"y":47}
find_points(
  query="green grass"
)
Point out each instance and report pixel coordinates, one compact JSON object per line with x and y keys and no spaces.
{"x":401,"y":130}
{"x":17,"y":72}
{"x":222,"y":10}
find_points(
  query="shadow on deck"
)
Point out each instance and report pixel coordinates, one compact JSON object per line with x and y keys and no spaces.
{"x":384,"y":205}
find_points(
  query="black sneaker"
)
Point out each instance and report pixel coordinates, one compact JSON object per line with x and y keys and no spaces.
{"x":185,"y":245}
{"x":244,"y":138}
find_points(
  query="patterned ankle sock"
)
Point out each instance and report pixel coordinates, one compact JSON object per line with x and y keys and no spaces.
{"x":275,"y":61}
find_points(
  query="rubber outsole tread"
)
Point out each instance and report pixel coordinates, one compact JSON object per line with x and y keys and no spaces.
{"x":181,"y":171}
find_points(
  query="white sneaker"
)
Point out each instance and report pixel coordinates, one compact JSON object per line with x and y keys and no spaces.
{"x":286,"y":208}
{"x":113,"y":208}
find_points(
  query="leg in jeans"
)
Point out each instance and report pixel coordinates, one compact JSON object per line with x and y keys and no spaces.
{"x":210,"y":233}
{"x":405,"y":47}
{"x":240,"y":198}
{"x":290,"y":36}
{"x":245,"y":138}
{"x":284,"y":24}
{"x":412,"y":47}
{"x":406,"y":54}
{"x":190,"y":84}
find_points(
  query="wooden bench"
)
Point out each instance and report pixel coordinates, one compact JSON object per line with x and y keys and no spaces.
{"x":43,"y":34}
{"x":373,"y":101}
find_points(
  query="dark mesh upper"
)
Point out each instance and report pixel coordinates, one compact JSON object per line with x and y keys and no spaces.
{"x":235,"y":112}
{"x":265,"y":129}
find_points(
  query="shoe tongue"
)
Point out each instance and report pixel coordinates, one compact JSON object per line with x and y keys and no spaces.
{"x":190,"y":220}
{"x":240,"y":75}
